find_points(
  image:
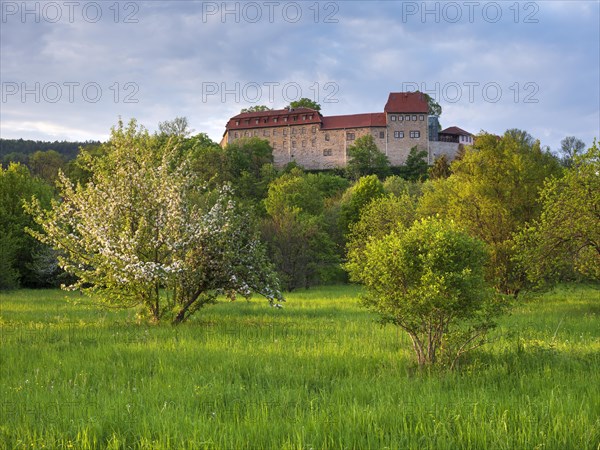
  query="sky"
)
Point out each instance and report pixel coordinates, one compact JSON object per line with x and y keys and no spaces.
{"x":69,"y":70}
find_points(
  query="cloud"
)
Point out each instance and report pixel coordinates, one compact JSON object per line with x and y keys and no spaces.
{"x":348,"y":55}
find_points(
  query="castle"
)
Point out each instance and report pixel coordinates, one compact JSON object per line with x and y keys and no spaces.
{"x":314,"y":141}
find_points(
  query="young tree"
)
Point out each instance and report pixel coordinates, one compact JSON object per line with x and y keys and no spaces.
{"x":378,"y":219}
{"x":144,"y":232}
{"x":305,"y":103}
{"x":415,"y":167}
{"x":440,"y":168}
{"x":566,"y":237}
{"x":429,"y":281}
{"x":569,"y":148}
{"x":366,"y":159}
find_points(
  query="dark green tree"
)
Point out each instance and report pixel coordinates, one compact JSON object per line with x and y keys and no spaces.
{"x":415,"y":167}
{"x":366,"y":159}
{"x":305,"y":103}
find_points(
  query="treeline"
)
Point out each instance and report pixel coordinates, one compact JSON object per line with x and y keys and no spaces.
{"x":500,"y":191}
{"x":20,"y":150}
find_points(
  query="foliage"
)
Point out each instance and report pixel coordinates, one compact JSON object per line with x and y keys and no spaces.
{"x":178,"y":127}
{"x":246,"y":159}
{"x":398,"y":186}
{"x":378,"y":219}
{"x":143,"y":226}
{"x":21,"y":147}
{"x":356,"y":198}
{"x":570,"y":147}
{"x":255,"y":108}
{"x":305,"y":103}
{"x":440,"y":168}
{"x":17,"y":247}
{"x":567,"y":234}
{"x":46,"y":165}
{"x":493,"y":193}
{"x":415,"y":167}
{"x":294,"y":230}
{"x":366,"y":159}
{"x":434,"y":107}
{"x":429,"y":281}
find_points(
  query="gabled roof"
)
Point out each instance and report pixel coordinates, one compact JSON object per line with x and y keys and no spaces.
{"x":455,"y":131}
{"x":354,"y":121}
{"x":274,"y":118}
{"x":407,"y":102}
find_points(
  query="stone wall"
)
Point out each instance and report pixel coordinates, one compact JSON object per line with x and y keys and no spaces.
{"x":437,"y":148}
{"x":314,"y":148}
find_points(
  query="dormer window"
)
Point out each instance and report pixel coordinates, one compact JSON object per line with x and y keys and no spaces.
{"x":257,"y":121}
{"x":304,"y":117}
{"x":285,"y":119}
{"x":295,"y":118}
{"x":265,"y":120}
{"x":237,"y":122}
{"x":275,"y":119}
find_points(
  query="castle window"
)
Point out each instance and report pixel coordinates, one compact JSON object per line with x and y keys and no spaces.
{"x":285,"y":131}
{"x":303,"y":130}
{"x":255,"y":132}
{"x":398,"y":134}
{"x":393,"y":117}
{"x":350,"y":136}
{"x":382,"y":135}
{"x":421,"y":117}
{"x":407,"y":117}
{"x":326,"y":136}
{"x":303,"y":144}
{"x":313,"y":142}
{"x":414,"y":117}
{"x":265,"y":132}
{"x":246,"y":133}
{"x":235,"y":134}
{"x":314,"y":130}
{"x":400,"y":118}
{"x":293,"y":144}
{"x":293,"y":131}
{"x":274,"y":132}
{"x":415,"y":134}
{"x":327,"y":152}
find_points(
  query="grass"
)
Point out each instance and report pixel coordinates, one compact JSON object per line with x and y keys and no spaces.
{"x":319,"y":373}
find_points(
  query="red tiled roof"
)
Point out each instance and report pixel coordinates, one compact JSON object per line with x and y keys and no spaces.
{"x":267,"y":118}
{"x":407,"y":102}
{"x":354,"y":121}
{"x":455,"y":131}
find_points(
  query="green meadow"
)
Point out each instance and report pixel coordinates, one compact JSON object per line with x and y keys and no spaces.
{"x":320,"y":373}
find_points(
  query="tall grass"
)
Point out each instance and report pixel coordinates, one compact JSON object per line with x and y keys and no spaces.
{"x":319,"y":373}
